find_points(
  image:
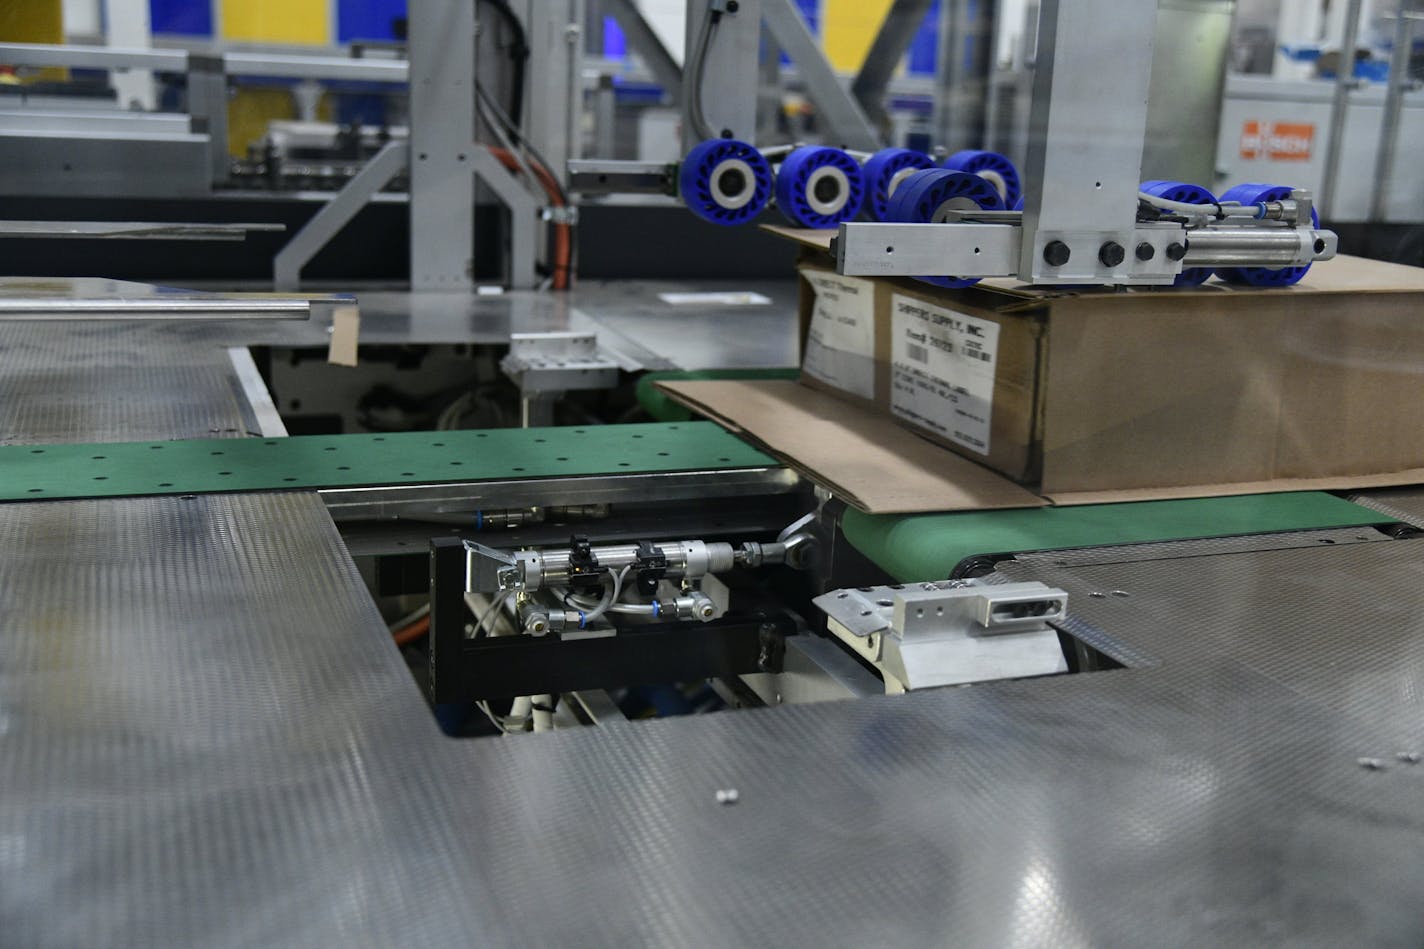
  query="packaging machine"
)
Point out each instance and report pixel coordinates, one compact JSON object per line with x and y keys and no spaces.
{"x":388,"y":687}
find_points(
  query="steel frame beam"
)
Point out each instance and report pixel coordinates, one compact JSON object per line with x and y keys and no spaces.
{"x":848,"y":123}
{"x":385,"y":165}
{"x":902,"y":22}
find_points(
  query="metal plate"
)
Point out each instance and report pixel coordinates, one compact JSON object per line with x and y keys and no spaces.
{"x":322,"y":461}
{"x":115,"y":382}
{"x":206,"y":738}
{"x":1405,"y":504}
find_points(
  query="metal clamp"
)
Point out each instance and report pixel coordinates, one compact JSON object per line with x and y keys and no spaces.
{"x":950,"y":632}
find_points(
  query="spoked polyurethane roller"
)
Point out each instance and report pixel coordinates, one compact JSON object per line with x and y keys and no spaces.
{"x":885,"y":171}
{"x":1187,"y":194}
{"x":819,"y":187}
{"x":1263,"y":276}
{"x":725,"y":181}
{"x":925,"y":197}
{"x":991,"y":166}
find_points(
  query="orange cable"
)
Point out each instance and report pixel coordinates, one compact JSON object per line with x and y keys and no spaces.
{"x":408,"y":635}
{"x":563,"y":245}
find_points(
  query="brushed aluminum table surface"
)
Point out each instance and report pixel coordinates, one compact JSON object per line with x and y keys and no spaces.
{"x":630,"y":318}
{"x":207,"y":738}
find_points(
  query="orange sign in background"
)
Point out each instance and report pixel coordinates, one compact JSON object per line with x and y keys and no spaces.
{"x":1277,"y":141}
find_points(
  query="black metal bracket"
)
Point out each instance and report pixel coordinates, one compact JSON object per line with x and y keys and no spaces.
{"x":651,"y":566}
{"x":584,"y":572}
{"x":464,"y":669}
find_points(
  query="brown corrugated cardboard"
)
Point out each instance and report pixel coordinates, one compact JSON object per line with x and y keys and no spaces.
{"x":856,"y":452}
{"x":1101,"y":396}
{"x":992,"y":421}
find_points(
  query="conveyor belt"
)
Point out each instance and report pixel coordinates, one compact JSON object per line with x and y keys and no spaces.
{"x":197,"y":466}
{"x":930,"y":546}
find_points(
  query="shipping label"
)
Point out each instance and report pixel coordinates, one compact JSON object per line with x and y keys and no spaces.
{"x":840,"y":343}
{"x":942,"y":370}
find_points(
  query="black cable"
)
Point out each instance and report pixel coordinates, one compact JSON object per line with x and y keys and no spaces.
{"x":518,"y":54}
{"x":695,"y":69}
{"x":519,"y":138}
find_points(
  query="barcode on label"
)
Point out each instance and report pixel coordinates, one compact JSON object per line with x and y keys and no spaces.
{"x":917,"y":353}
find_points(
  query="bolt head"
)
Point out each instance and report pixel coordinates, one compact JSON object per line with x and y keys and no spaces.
{"x":1112,"y":254}
{"x":733,"y":6}
{"x":1056,"y":253}
{"x":1146,"y":251}
{"x":1176,"y":251}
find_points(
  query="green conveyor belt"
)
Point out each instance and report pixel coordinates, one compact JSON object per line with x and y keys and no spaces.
{"x":929,"y":546}
{"x":46,"y":472}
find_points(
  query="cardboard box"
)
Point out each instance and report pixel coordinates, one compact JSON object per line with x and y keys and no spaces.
{"x":1106,"y":396}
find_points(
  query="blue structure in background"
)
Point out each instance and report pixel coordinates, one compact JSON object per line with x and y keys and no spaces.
{"x":183,"y":17}
{"x":358,"y":20}
{"x":615,"y":44}
{"x":924,"y":48}
{"x":373,"y":20}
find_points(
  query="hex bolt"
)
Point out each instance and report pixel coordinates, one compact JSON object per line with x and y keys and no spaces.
{"x":1146,"y":251}
{"x":1112,"y":254}
{"x":1056,"y":253}
{"x":1176,"y":251}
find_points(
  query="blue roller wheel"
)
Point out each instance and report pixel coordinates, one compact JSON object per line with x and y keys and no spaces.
{"x":1263,"y":276}
{"x":885,"y":171}
{"x":1187,"y":194}
{"x":724,"y":181}
{"x":991,"y":166}
{"x":819,"y":187}
{"x":926,"y":194}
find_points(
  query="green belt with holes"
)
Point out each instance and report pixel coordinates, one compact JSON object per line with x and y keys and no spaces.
{"x":919,"y":547}
{"x":39,"y":472}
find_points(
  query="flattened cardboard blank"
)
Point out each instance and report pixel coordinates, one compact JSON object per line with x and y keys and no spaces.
{"x":859,"y":454}
{"x":345,"y":335}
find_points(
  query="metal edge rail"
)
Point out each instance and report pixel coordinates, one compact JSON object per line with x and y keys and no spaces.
{"x":391,"y":502}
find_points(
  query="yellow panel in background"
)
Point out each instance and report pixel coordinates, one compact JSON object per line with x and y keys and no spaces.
{"x":248,"y":112}
{"x":848,"y":27}
{"x":34,"y":21}
{"x":304,"y":22}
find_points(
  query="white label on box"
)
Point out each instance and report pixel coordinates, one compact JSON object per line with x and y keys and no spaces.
{"x":840,"y":343}
{"x":942,"y":370}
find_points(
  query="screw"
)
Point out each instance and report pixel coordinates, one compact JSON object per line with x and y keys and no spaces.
{"x":727,"y":796}
{"x":1146,"y":251}
{"x":1112,"y":254}
{"x":1056,"y":253}
{"x":733,"y":6}
{"x":1409,"y":757}
{"x":1370,"y":764}
{"x":1176,"y":251}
